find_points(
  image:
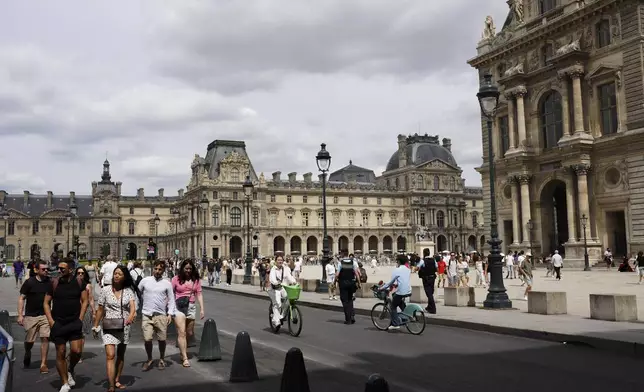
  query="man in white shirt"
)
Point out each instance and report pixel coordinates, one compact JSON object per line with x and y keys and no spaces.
{"x":279,"y":273}
{"x":520,"y":259}
{"x":107,"y":270}
{"x":557,"y":263}
{"x":298,"y":268}
{"x":158,"y":309}
{"x":330,"y":280}
{"x":509,"y":265}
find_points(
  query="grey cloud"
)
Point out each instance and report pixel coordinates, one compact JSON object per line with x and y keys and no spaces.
{"x":232,"y":45}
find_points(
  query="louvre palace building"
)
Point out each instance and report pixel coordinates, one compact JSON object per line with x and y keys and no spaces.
{"x":568,"y":134}
{"x":420,"y":196}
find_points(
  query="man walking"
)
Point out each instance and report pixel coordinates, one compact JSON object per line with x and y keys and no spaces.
{"x":157,"y":296}
{"x":427,"y":269}
{"x":557,"y":263}
{"x":66,"y":319}
{"x":107,"y":270}
{"x":211,"y":272}
{"x":34,"y":320}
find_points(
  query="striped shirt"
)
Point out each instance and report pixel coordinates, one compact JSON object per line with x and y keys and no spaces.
{"x":157,"y":296}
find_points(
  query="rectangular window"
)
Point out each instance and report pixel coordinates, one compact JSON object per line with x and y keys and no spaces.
{"x":305,"y":219}
{"x":335,"y":200}
{"x":602,"y":30}
{"x":365,"y":219}
{"x":105,"y":227}
{"x":272,"y":198}
{"x":365,"y":200}
{"x":130,"y":228}
{"x":473,"y":203}
{"x":422,"y":219}
{"x":608,"y":108}
{"x":81,"y":226}
{"x":215,"y":195}
{"x":153,"y":228}
{"x":350,"y":199}
{"x":289,"y":220}
{"x":504,"y":135}
{"x":289,"y":198}
{"x":305,"y":199}
{"x":254,"y":195}
{"x":320,"y":219}
{"x":235,"y":195}
{"x":547,"y":5}
{"x":272,"y":219}
{"x":320,"y":199}
{"x":131,"y":210}
{"x":152,"y":211}
{"x":12,"y":228}
{"x":215,"y":218}
{"x":379,"y":201}
{"x":379,"y":219}
{"x":59,"y":227}
{"x":474,"y":220}
{"x":35,"y":227}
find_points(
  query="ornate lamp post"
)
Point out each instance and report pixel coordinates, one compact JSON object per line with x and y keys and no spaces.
{"x":204,"y":204}
{"x":175,"y":213}
{"x":248,"y":192}
{"x":530,"y":226}
{"x":193,"y":226}
{"x":584,"y":224}
{"x":497,"y":297}
{"x":19,"y":247}
{"x":68,"y":216}
{"x":4,"y":214}
{"x":157,"y":220}
{"x":323,"y":160}
{"x":73,"y":210}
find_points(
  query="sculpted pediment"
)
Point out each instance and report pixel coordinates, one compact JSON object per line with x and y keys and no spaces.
{"x":437,"y":164}
{"x":234,"y":158}
{"x":15,"y":214}
{"x":55,"y":213}
{"x":604,"y":70}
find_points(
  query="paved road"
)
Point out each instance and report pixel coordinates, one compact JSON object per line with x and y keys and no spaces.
{"x":341,"y":356}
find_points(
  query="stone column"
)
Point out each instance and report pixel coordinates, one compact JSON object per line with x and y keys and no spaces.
{"x":576,"y":75}
{"x":519,"y":94}
{"x":582,"y":189}
{"x":570,"y":210}
{"x":510,"y":99}
{"x":565,"y":115}
{"x":515,"y":210}
{"x":525,"y":206}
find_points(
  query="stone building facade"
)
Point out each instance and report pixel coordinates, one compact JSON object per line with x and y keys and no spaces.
{"x":420,"y":196}
{"x":568,"y":137}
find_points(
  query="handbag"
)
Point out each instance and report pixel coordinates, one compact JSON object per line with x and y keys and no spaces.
{"x":115,"y":324}
{"x":183,"y":304}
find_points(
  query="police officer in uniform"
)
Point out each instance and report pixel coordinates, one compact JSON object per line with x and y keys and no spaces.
{"x":347,"y":280}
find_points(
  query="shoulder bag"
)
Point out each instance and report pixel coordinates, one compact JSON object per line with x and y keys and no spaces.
{"x":115,"y":324}
{"x":183,"y":304}
{"x":279,"y":285}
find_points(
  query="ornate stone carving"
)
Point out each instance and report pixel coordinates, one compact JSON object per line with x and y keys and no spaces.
{"x":533,"y":61}
{"x":581,"y":169}
{"x":571,"y":47}
{"x":234,"y":157}
{"x":489,"y":31}
{"x":615,"y":28}
{"x":524,"y":179}
{"x":512,"y":179}
{"x":516,"y":68}
{"x":623,"y":168}
{"x":586,"y":36}
{"x":516,"y":6}
{"x":618,"y":79}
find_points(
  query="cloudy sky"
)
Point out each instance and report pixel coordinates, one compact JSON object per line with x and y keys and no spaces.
{"x":151,"y":83}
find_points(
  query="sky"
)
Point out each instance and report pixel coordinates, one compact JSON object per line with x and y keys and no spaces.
{"x":150,"y":83}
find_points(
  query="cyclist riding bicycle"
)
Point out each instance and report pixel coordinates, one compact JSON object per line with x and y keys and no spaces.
{"x":279,"y":273}
{"x":401,"y":276}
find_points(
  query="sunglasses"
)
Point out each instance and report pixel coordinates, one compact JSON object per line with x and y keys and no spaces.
{"x":43,"y":269}
{"x":80,"y":273}
{"x":62,"y":268}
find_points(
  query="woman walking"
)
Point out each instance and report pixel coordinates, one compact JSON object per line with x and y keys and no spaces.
{"x":229,"y":272}
{"x":81,"y":274}
{"x":117,"y":311}
{"x":187,"y":290}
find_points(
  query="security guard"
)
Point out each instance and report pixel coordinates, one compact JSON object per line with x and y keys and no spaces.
{"x":347,"y":280}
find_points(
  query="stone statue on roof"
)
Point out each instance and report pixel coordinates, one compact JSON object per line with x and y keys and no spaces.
{"x":489,"y":31}
{"x":516,"y":6}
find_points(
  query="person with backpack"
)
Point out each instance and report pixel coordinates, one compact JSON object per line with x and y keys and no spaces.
{"x":137,"y":275}
{"x":427,"y":269}
{"x":363,"y":273}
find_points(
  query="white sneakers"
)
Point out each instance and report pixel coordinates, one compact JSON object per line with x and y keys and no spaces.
{"x":65,"y":388}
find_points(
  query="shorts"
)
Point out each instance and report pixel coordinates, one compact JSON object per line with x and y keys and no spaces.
{"x":192,"y":312}
{"x":527,"y":280}
{"x":641,"y":271}
{"x":62,"y":333}
{"x":151,"y":325}
{"x":35,"y":325}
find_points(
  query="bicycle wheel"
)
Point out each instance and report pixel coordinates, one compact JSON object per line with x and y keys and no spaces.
{"x":416,"y":324}
{"x":294,"y":321}
{"x":381,"y":316}
{"x":270,"y":319}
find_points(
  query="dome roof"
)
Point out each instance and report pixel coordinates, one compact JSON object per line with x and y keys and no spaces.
{"x":423,"y":149}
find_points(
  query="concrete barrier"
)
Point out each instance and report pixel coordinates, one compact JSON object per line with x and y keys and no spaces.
{"x":365,"y":291}
{"x":418,"y":295}
{"x":459,"y":296}
{"x":237,"y":279}
{"x":547,"y":302}
{"x":255,"y":280}
{"x":613,"y":307}
{"x":310,"y":285}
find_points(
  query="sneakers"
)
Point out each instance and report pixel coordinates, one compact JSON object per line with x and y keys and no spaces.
{"x":393,"y":328}
{"x":70,"y":380}
{"x":26,"y":361}
{"x":65,"y":388}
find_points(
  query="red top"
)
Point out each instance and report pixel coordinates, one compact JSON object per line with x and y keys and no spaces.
{"x":441,"y":266}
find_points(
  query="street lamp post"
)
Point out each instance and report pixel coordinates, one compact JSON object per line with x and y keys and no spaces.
{"x":19,"y":247}
{"x":4,"y":214}
{"x":530,"y":226}
{"x":157,"y":220}
{"x":204,"y":204}
{"x":175,"y":213}
{"x":69,"y":223}
{"x":248,"y":193}
{"x":323,"y":160}
{"x":584,"y":224}
{"x":497,"y":297}
{"x":193,"y":226}
{"x":256,"y":238}
{"x":73,"y":210}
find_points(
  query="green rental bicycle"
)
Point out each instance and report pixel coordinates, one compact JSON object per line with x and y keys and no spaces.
{"x":290,"y":312}
{"x":413,"y":317}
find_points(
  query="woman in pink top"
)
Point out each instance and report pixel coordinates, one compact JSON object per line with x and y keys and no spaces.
{"x":187,"y":288}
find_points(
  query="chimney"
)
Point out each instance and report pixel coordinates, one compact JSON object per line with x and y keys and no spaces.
{"x":72,"y":197}
{"x":140,"y":194}
{"x":307,"y":177}
{"x":447,"y":144}
{"x":402,"y":151}
{"x":119,"y":185}
{"x":50,"y":199}
{"x":292,"y":177}
{"x":94,"y":186}
{"x":26,"y":198}
{"x":3,"y":196}
{"x":181,"y":193}
{"x":161,"y":193}
{"x":277,"y":176}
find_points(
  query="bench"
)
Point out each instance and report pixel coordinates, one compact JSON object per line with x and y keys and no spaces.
{"x":613,"y":307}
{"x":547,"y":302}
{"x":459,"y":296}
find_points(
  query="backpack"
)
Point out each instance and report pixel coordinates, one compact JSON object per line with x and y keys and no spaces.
{"x":138,"y":280}
{"x":363,"y":275}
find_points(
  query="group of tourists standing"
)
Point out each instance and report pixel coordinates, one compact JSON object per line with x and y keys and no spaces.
{"x":64,"y":310}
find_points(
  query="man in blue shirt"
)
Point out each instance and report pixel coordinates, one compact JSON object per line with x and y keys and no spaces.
{"x":401,"y":277}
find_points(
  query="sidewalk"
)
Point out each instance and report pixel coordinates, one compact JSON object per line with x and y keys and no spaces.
{"x":627,"y":338}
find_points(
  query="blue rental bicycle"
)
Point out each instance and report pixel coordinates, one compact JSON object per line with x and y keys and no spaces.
{"x":413,"y":317}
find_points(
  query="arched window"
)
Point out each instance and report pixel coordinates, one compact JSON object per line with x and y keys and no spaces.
{"x":437,"y":183}
{"x":397,"y":183}
{"x":474,"y":220}
{"x":421,"y":182}
{"x":440,"y":219}
{"x":235,"y":217}
{"x":551,"y":119}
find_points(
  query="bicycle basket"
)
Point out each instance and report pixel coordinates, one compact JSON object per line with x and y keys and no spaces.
{"x":293,"y":292}
{"x":380,"y":294}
